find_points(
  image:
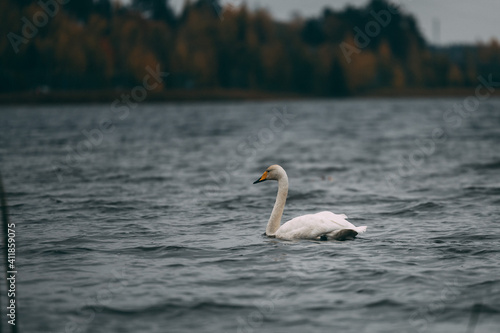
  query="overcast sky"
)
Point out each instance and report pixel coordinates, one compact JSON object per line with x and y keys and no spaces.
{"x":456,"y":20}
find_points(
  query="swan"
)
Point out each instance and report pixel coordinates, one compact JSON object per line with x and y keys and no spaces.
{"x":319,"y":226}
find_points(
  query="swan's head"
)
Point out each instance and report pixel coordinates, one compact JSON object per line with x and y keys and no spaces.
{"x":274,"y":172}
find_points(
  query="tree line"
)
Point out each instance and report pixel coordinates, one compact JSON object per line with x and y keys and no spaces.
{"x":98,"y":44}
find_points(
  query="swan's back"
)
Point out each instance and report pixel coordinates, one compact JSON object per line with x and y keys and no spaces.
{"x":313,"y":226}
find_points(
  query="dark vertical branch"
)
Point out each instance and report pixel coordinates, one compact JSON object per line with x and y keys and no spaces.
{"x":5,"y":223}
{"x":474,"y":317}
{"x":3,"y":208}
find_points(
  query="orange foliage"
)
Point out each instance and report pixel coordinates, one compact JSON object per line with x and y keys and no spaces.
{"x":241,"y":49}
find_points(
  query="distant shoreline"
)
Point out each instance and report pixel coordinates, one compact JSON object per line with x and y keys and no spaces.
{"x":215,"y":95}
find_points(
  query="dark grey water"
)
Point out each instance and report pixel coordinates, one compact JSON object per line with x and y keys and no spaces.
{"x":153,"y":225}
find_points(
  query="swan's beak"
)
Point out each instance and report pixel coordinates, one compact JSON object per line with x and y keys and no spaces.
{"x":261,"y":179}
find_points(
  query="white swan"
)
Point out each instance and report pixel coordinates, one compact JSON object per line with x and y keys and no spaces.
{"x":320,"y":226}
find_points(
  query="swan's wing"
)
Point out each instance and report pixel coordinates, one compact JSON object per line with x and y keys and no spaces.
{"x":313,"y":226}
{"x":340,"y":220}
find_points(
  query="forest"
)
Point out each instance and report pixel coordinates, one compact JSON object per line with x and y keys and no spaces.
{"x":88,"y":45}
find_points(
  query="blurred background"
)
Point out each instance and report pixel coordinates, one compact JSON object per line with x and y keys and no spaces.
{"x":92,"y":49}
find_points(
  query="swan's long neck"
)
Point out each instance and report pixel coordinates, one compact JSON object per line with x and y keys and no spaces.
{"x":279,"y":206}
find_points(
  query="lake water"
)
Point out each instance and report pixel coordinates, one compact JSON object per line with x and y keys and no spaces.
{"x":146,"y":220}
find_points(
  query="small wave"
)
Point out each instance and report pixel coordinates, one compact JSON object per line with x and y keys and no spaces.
{"x":482,"y":190}
{"x":60,"y":251}
{"x":158,"y":248}
{"x":327,"y":169}
{"x":384,"y":303}
{"x":484,"y":166}
{"x":12,"y":206}
{"x":456,"y":250}
{"x":415,"y":210}
{"x":428,"y":206}
{"x":366,"y":291}
{"x":118,"y":208}
{"x":484,"y":251}
{"x":307,"y":195}
{"x":70,"y":241}
{"x":162,"y":251}
{"x":230,"y":204}
{"x":173,"y":309}
{"x":460,"y":236}
{"x":484,"y":284}
{"x":147,"y":179}
{"x":118,"y":176}
{"x":13,"y":194}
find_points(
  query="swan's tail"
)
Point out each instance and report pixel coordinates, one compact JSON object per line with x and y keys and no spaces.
{"x":343,"y":234}
{"x":360,"y":230}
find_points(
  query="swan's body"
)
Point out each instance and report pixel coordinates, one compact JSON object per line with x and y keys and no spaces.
{"x":320,"y":226}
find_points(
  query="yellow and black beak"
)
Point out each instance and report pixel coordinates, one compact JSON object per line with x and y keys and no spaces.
{"x":261,"y":179}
